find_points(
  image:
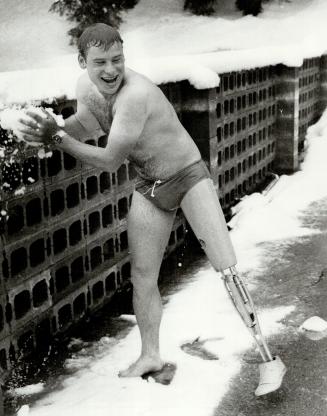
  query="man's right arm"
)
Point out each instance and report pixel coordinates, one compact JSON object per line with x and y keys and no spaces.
{"x":91,"y":155}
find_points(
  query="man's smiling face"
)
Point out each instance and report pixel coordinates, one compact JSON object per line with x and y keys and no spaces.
{"x":106,"y":67}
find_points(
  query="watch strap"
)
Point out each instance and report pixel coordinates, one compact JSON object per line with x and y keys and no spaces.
{"x":57,"y":137}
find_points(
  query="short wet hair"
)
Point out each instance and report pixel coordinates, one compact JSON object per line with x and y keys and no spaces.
{"x":99,"y":34}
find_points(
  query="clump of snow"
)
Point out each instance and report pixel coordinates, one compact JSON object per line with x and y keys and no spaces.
{"x":29,"y":390}
{"x":105,"y":340}
{"x":318,"y":130}
{"x":24,"y":410}
{"x":10,"y":119}
{"x":315,"y":323}
{"x":43,"y":154}
{"x":20,"y":191}
{"x":76,"y":362}
{"x":129,"y":318}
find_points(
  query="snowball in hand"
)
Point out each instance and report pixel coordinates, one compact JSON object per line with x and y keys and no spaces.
{"x":9,"y":120}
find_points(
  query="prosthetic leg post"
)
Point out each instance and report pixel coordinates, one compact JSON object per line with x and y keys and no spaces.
{"x":243,"y":303}
{"x":272,"y":370}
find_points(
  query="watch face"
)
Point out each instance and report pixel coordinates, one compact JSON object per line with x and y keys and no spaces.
{"x":57,"y":139}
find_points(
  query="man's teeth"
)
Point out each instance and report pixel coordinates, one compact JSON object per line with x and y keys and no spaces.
{"x":109,"y":80}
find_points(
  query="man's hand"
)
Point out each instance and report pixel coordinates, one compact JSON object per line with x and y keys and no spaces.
{"x":40,"y":128}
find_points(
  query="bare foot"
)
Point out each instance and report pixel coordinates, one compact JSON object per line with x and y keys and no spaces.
{"x":142,"y":366}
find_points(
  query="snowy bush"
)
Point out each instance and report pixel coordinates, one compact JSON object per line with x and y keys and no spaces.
{"x":204,"y":7}
{"x":253,"y":7}
{"x":88,"y":12}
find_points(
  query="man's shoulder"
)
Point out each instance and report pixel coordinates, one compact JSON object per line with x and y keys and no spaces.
{"x":137,"y":87}
{"x":137,"y":78}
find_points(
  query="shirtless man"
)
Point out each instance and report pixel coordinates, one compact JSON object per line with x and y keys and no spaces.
{"x":143,"y":127}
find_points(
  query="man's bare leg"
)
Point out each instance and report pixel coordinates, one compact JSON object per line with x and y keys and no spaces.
{"x":148,"y":234}
{"x":203,"y":212}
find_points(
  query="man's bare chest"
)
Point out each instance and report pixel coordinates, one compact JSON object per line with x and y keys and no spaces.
{"x":101,"y":110}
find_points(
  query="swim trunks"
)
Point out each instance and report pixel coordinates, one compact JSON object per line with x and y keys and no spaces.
{"x":168,"y":194}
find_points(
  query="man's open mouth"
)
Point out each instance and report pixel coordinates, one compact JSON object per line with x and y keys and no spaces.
{"x":110,"y":80}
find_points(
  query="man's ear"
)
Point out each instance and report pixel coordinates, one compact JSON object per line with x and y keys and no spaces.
{"x":81,"y":61}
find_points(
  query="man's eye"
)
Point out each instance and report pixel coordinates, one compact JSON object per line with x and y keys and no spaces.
{"x":116,"y":60}
{"x":99,"y":62}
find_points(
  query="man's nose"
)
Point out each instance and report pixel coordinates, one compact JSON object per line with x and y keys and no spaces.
{"x":109,"y":68}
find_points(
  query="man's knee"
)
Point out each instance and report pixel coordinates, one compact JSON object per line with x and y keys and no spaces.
{"x":143,"y":275}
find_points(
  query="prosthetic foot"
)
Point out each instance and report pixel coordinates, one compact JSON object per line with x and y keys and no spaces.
{"x":271,"y":376}
{"x":272,"y":370}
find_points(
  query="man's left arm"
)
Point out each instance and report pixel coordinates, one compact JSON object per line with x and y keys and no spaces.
{"x":129,"y":118}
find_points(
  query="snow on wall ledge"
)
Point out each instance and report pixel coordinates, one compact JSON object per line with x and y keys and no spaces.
{"x":201,"y":70}
{"x":20,"y":87}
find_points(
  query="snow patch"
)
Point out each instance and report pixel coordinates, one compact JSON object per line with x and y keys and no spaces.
{"x":29,"y":390}
{"x":315,"y":323}
{"x":128,"y":318}
{"x":24,"y":410}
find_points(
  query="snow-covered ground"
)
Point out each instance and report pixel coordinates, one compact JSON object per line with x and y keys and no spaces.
{"x":200,"y":309}
{"x":167,"y":44}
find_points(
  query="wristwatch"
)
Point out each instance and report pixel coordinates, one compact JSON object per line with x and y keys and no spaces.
{"x":57,"y":137}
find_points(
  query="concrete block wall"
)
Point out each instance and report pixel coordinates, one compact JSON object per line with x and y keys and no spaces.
{"x":323,"y":83}
{"x":299,"y":104}
{"x":287,"y":125}
{"x":233,"y":126}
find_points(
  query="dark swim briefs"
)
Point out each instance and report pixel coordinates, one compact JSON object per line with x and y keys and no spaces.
{"x":167,"y":194}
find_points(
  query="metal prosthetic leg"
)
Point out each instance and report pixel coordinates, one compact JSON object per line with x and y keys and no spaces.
{"x":243,"y":303}
{"x":272,"y":370}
